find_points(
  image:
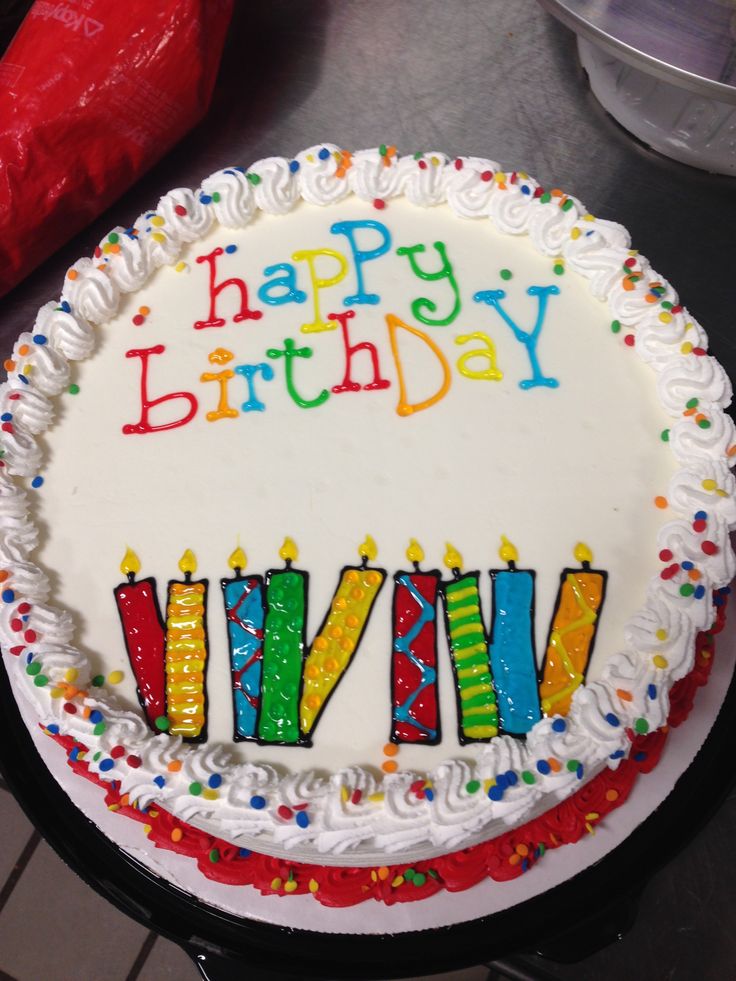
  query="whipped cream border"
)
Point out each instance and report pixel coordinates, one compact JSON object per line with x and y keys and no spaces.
{"x":660,"y":637}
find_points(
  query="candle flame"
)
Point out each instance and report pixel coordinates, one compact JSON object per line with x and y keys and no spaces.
{"x":130,"y":563}
{"x":582,"y":553}
{"x":368,"y":548}
{"x":508,"y":551}
{"x":415,"y":552}
{"x":188,"y":563}
{"x":453,"y":559}
{"x":238,"y":559}
{"x":288,"y":551}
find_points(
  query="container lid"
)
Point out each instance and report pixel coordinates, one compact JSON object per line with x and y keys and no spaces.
{"x":691,"y":43}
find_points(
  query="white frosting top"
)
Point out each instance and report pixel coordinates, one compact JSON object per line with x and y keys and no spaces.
{"x":583,"y":461}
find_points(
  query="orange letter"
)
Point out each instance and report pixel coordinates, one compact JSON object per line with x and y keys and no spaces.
{"x":403,"y":407}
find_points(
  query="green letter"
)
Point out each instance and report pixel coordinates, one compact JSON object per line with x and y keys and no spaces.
{"x":424,"y":303}
{"x":289,"y":352}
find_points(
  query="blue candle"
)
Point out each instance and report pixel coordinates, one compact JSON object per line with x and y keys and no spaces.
{"x":243,"y":597}
{"x":513,"y":662}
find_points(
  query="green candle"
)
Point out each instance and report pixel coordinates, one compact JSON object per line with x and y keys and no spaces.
{"x":476,"y":700}
{"x":283,"y":650}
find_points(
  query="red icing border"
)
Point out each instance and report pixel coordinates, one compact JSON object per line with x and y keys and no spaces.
{"x":502,"y":858}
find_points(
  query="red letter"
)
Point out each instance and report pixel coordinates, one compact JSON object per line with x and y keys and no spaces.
{"x":348,"y":385}
{"x":144,"y":426}
{"x":214,"y":320}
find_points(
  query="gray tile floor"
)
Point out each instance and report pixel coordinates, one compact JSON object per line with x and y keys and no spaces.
{"x":687,"y":909}
{"x":91,"y":940}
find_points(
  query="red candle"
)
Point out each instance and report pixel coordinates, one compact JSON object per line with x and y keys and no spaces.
{"x":415,"y":708}
{"x":145,"y":637}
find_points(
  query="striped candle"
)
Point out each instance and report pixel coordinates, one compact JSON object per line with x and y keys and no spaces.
{"x":186,"y":654}
{"x":476,"y":702}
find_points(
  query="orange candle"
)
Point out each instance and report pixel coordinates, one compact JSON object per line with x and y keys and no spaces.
{"x":572,"y":632}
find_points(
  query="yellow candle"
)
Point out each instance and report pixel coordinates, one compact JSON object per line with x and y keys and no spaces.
{"x":186,"y":653}
{"x":340,"y":634}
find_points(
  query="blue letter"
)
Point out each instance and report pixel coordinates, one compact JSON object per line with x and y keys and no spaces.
{"x":287,"y":282}
{"x":529,"y":340}
{"x":360,"y":256}
{"x":249,"y":371}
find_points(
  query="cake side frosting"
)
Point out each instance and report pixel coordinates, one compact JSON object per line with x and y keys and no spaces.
{"x":631,"y":691}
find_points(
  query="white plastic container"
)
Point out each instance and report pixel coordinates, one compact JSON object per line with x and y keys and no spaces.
{"x":666,"y":71}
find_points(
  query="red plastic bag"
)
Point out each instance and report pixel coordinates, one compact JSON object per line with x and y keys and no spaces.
{"x":92,"y":94}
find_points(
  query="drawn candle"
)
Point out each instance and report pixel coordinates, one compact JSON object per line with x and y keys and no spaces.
{"x":186,"y":653}
{"x":415,"y":716}
{"x":339,"y":636}
{"x":477,"y":714}
{"x":243,"y":596}
{"x":513,"y":660}
{"x":144,"y":635}
{"x":572,"y":632}
{"x":283,"y":650}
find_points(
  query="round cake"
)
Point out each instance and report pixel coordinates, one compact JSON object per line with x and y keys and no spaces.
{"x":359,"y":506}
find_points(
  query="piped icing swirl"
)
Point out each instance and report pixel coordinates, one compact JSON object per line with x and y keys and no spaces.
{"x":230,"y":194}
{"x":374,"y":174}
{"x":28,"y":407}
{"x":322,"y":175}
{"x":124,"y":258}
{"x":511,"y":205}
{"x":186,"y":218}
{"x":71,"y":336}
{"x":90,"y":291}
{"x":276,"y":188}
{"x":683,"y":379}
{"x":352,"y":810}
{"x":159,"y":244}
{"x":424,"y":178}
{"x":470,"y":189}
{"x":549,"y":229}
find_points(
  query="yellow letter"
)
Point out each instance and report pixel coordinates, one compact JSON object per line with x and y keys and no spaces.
{"x":491,"y":373}
{"x":318,"y":324}
{"x":403,"y":407}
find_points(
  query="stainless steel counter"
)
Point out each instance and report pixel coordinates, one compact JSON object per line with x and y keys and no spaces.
{"x":501,"y":80}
